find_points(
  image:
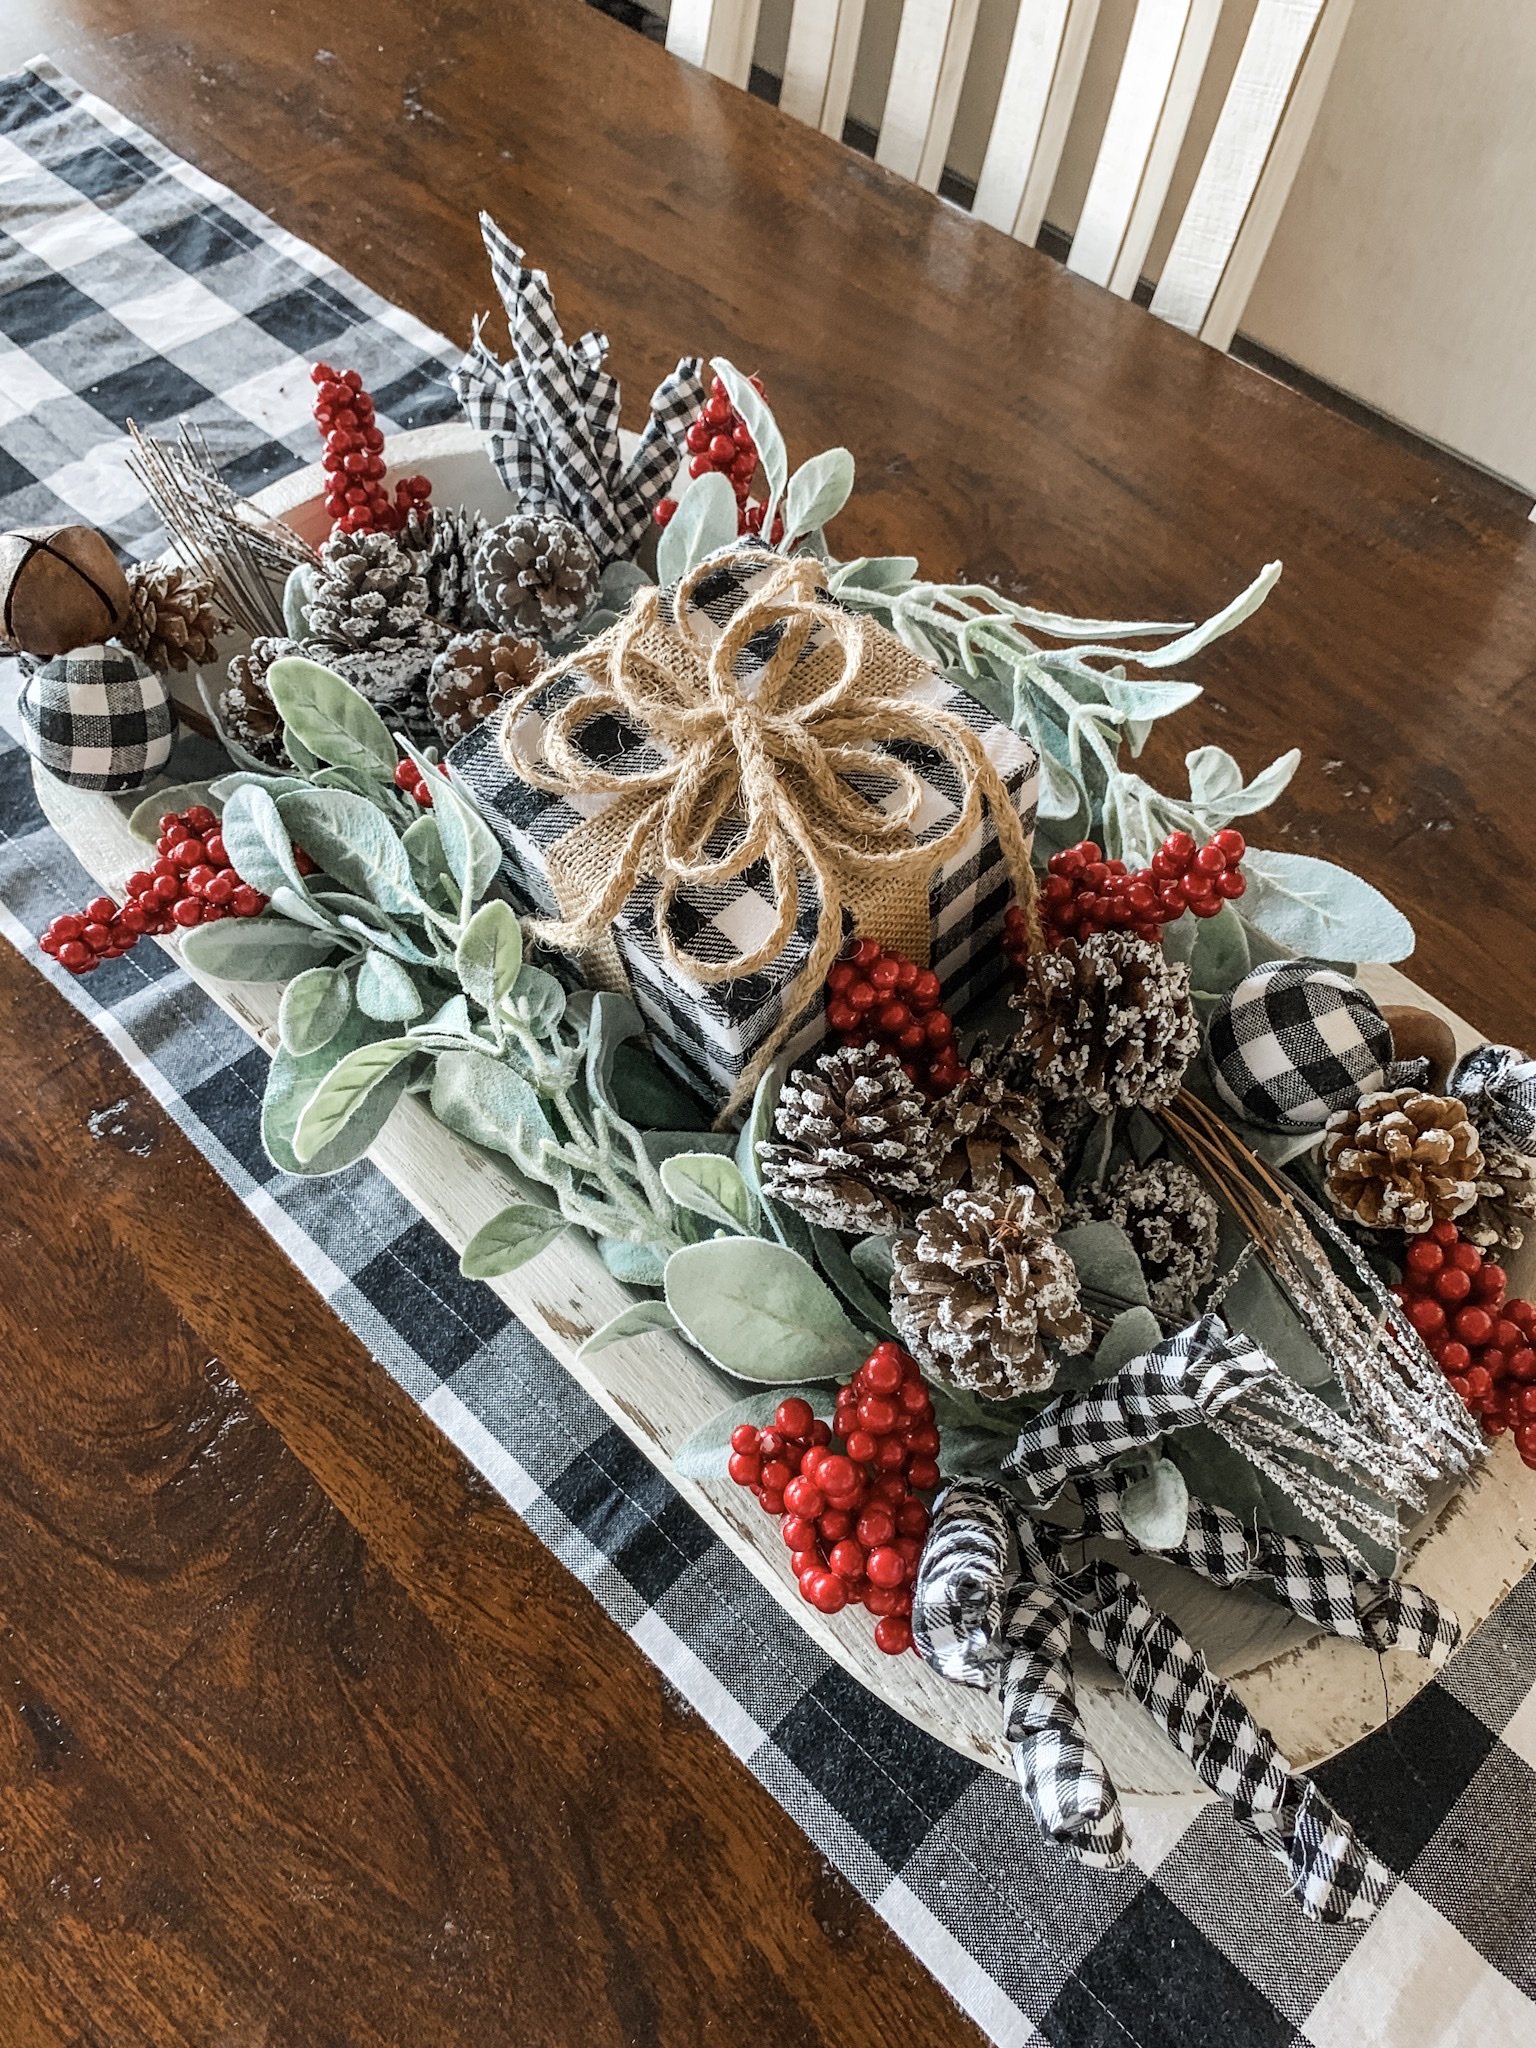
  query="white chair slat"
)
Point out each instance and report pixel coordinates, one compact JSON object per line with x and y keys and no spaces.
{"x":818,"y":65}
{"x":717,"y":35}
{"x":1082,"y":19}
{"x":1032,"y":58}
{"x":932,"y":51}
{"x":1167,"y":145}
{"x":1246,"y":134}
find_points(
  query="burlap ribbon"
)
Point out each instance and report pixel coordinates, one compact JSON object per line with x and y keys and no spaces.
{"x":775,"y":756}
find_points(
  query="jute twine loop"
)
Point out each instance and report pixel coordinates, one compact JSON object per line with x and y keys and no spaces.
{"x":772,"y":758}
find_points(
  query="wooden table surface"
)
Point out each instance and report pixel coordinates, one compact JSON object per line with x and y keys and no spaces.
{"x":309,"y":1741}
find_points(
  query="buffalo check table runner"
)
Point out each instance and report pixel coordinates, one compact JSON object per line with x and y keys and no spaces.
{"x":133,"y":286}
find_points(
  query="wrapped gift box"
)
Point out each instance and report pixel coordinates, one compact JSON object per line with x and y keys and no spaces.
{"x":710,"y":1032}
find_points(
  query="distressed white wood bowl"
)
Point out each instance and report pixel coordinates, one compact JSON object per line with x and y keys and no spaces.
{"x":1316,"y":1694}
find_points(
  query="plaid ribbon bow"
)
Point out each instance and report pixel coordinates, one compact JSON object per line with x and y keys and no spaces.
{"x":994,"y":1606}
{"x":550,"y":416}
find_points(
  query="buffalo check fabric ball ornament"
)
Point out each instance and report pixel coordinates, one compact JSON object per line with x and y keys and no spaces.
{"x":1296,"y":1040}
{"x":98,"y":718}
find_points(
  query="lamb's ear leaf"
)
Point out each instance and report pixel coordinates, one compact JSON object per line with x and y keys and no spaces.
{"x":630,"y":1322}
{"x":509,"y":1239}
{"x":760,"y":1311}
{"x":330,"y":718}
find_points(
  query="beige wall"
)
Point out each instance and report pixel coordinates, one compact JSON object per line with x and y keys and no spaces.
{"x":1404,"y":268}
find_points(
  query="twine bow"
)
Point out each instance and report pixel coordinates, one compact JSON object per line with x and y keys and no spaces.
{"x":776,"y":759}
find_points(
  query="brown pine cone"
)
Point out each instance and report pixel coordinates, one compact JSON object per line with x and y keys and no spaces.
{"x":988,"y":1139}
{"x":1107,"y":1021}
{"x":246,"y":711}
{"x":535,"y":575}
{"x":1173,"y":1224}
{"x":1505,"y":1209}
{"x":855,"y":1137}
{"x":1402,"y":1160}
{"x":444,"y":539}
{"x":475,"y":675}
{"x":979,"y":1286}
{"x":370,"y":597}
{"x":173,"y":619}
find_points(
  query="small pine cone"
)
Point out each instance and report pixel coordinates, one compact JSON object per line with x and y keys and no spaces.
{"x":855,"y":1136}
{"x":443,"y":539}
{"x":475,"y":675}
{"x":371,"y":596}
{"x":173,"y":619}
{"x":246,"y":710}
{"x":1505,"y":1209}
{"x":394,"y":680}
{"x":535,"y":575}
{"x":1402,"y":1160}
{"x":988,"y":1139}
{"x":979,"y":1287}
{"x":1107,"y":1020}
{"x":1173,"y":1224}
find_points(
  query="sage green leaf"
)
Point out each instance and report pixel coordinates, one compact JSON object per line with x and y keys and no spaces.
{"x":297,"y":592}
{"x":254,"y":949}
{"x":1221,"y":955}
{"x":711,"y":1186}
{"x":642,"y":1092}
{"x":1155,"y":1507}
{"x":874,"y":1259}
{"x":304,"y":761}
{"x":1315,"y":909}
{"x":629,"y":1322}
{"x":875,"y":573}
{"x":761,"y":1312}
{"x":761,"y":425}
{"x":663,"y":1145}
{"x":1107,"y":1266}
{"x":343,"y":1093}
{"x":450,"y":1021}
{"x":305,"y":910}
{"x":470,"y":847}
{"x":386,"y":990}
{"x":314,"y":1007}
{"x":291,"y":1082}
{"x":221,"y":790}
{"x":637,"y":1265}
{"x":510,"y":1239}
{"x":1140,"y":700}
{"x":481,"y":1098}
{"x":705,"y":1454}
{"x":758,"y":1128}
{"x":259,"y":844}
{"x":1178,"y":651}
{"x":705,"y":521}
{"x":350,"y":837}
{"x":1217,"y":789}
{"x":330,"y":718}
{"x":424,"y":850}
{"x":144,"y":818}
{"x":1256,"y":1306}
{"x":1133,"y":1331}
{"x":620,"y":581}
{"x":870,"y":1305}
{"x":538,"y":1000}
{"x":489,"y":953}
{"x":816,"y":493}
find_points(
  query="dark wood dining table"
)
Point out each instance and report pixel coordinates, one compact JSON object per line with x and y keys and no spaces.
{"x":306,"y":1738}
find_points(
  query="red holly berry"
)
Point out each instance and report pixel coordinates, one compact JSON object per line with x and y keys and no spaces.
{"x":719,"y":440}
{"x":353,"y":459}
{"x":1455,"y":1297}
{"x":1083,"y":893}
{"x":878,"y":996}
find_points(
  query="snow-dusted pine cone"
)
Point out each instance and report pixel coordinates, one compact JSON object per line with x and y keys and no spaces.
{"x":394,"y":680}
{"x":988,"y":1138}
{"x":1107,"y":1020}
{"x":1505,"y":1209}
{"x":371,"y":597}
{"x":444,"y":538}
{"x":1173,"y":1224}
{"x":535,"y":575}
{"x":979,"y":1287}
{"x":855,"y":1139}
{"x":173,"y":617}
{"x":475,"y":675}
{"x":246,"y":711}
{"x":1402,"y":1160}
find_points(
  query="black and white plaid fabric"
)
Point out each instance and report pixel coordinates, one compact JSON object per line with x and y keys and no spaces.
{"x":550,"y":416}
{"x":1498,"y":1085}
{"x":98,"y":718}
{"x":1193,"y":1943}
{"x":711,"y":1032}
{"x":1296,"y":1040}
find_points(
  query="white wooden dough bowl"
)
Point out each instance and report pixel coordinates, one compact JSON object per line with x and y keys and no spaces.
{"x":1316,"y":1694}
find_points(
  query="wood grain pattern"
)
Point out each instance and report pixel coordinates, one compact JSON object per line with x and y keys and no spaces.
{"x":1009,"y":420}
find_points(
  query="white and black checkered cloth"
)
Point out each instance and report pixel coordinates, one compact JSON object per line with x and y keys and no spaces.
{"x":1193,"y":1944}
{"x":1295,"y":1040}
{"x":97,"y":718}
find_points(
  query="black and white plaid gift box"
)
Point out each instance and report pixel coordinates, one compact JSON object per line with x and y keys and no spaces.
{"x":98,"y":718}
{"x":710,"y":1032}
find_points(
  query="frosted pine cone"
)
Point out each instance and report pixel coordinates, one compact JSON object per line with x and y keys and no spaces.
{"x":988,"y":1138}
{"x":1107,"y":1021}
{"x":370,"y":596}
{"x":444,"y":539}
{"x":246,"y":711}
{"x":173,"y":619}
{"x":1402,"y":1160}
{"x":534,"y":575}
{"x":1505,"y":1209}
{"x":855,"y":1139}
{"x":980,"y":1287}
{"x":395,"y":682}
{"x":1173,"y":1224}
{"x":476,"y":674}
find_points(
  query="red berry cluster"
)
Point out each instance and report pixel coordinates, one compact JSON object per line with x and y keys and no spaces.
{"x":191,"y":882}
{"x":720,"y":439}
{"x":355,"y":495}
{"x":1484,"y":1343}
{"x":873,"y":993}
{"x":852,"y":1519}
{"x":409,"y":778}
{"x":1084,"y":893}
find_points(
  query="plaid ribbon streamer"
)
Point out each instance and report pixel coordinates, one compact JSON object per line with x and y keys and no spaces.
{"x":550,"y":416}
{"x":1182,"y":1381}
{"x":1498,"y":1085}
{"x":993,"y":1607}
